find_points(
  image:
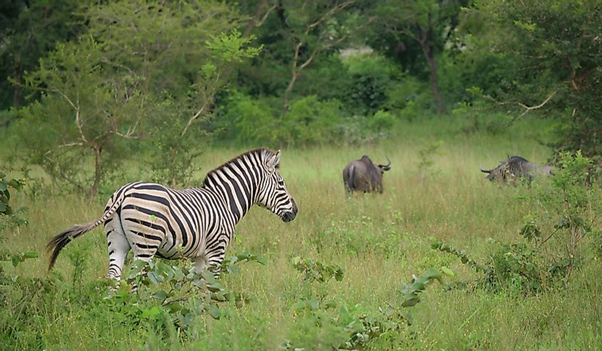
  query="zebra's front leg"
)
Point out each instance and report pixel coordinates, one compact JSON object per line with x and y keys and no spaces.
{"x":215,"y":262}
{"x":211,"y":263}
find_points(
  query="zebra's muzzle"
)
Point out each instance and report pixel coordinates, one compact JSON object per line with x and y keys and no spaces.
{"x":289,"y":216}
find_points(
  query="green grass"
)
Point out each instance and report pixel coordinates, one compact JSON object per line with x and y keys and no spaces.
{"x":379,"y":241}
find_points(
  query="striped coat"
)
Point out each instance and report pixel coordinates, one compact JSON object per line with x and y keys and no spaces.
{"x":198,"y":223}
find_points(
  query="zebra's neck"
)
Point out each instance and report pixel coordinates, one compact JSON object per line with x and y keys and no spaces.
{"x":236,"y":185}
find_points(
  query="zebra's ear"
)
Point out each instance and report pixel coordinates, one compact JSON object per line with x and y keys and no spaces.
{"x":274,"y":161}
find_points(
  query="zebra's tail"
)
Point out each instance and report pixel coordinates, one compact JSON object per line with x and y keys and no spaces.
{"x":57,"y":243}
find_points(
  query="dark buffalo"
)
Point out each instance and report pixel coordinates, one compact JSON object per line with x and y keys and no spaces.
{"x":515,"y":168}
{"x":363,"y":175}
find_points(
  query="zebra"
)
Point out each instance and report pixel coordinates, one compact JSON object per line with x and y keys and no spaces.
{"x":196,"y":223}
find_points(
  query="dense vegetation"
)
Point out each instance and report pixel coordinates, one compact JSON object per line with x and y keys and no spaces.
{"x":97,"y":93}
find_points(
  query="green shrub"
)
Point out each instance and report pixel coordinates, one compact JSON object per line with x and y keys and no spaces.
{"x":359,"y":237}
{"x":312,"y":121}
{"x":565,"y":214}
{"x":372,"y":76}
{"x":248,"y":120}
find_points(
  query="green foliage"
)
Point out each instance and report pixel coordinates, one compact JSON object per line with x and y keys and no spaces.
{"x":230,"y":263}
{"x":381,"y":122}
{"x":564,"y":209}
{"x":358,"y":237}
{"x":348,"y":326}
{"x":231,"y":48}
{"x":169,"y":45}
{"x":513,"y":267}
{"x":552,"y":46}
{"x":372,"y":77}
{"x":411,"y":292}
{"x":479,"y":118}
{"x":10,"y":218}
{"x":248,"y":120}
{"x":98,"y":98}
{"x":309,"y":121}
{"x":317,"y":271}
{"x":465,"y":259}
{"x":173,"y":155}
{"x":427,"y":154}
{"x":180,"y":131}
{"x":29,"y":31}
{"x":80,"y":117}
{"x":171,"y":296}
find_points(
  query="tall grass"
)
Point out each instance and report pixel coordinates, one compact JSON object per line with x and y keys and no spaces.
{"x":379,"y":240}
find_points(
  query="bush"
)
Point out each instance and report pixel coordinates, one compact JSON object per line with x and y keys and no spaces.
{"x":565,"y":210}
{"x":246,"y":120}
{"x":311,"y":121}
{"x":372,"y":76}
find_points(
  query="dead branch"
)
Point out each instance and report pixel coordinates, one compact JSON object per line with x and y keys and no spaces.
{"x":70,"y":144}
{"x":207,"y":102}
{"x":329,"y":14}
{"x":259,"y":17}
{"x":529,"y":108}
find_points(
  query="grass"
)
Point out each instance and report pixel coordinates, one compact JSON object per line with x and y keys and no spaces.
{"x":379,"y":241}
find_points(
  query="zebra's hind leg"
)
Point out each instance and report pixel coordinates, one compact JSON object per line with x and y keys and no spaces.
{"x":118,"y":249}
{"x":144,"y":253}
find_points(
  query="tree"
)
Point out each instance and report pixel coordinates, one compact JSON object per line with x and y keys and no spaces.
{"x":426,"y":23}
{"x":28,"y":31}
{"x":144,"y":71}
{"x":179,"y":130}
{"x":298,"y":35}
{"x":183,"y":53}
{"x":163,"y":43}
{"x":81,"y":114}
{"x":555,"y":47}
{"x":313,"y":27}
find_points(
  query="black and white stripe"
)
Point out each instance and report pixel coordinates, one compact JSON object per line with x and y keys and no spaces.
{"x":197,"y":223}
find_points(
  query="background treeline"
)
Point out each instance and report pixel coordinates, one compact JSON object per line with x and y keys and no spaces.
{"x":88,"y":85}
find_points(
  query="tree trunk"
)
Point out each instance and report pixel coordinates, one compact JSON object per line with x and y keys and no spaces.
{"x":428,"y":54}
{"x":255,"y":19}
{"x":17,"y":78}
{"x":96,"y":185}
{"x":289,"y":88}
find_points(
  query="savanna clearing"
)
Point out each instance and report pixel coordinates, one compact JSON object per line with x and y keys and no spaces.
{"x":298,"y":299}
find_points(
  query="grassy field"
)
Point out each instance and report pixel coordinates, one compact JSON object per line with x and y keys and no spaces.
{"x":379,"y":242}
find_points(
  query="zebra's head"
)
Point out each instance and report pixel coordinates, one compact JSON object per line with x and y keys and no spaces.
{"x":273,"y":193}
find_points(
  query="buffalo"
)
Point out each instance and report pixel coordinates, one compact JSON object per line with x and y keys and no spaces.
{"x":364,"y":176}
{"x":515,"y":168}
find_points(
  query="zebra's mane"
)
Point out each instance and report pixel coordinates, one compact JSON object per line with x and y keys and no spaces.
{"x":261,"y":151}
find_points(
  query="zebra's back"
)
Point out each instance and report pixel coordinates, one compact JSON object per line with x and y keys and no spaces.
{"x":172,"y":223}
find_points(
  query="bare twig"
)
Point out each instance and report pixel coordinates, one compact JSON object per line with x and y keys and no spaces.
{"x":70,"y":144}
{"x":259,"y":17}
{"x":329,"y":14}
{"x":529,"y":108}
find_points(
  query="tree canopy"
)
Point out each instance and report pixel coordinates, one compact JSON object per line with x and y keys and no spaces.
{"x":86,"y":82}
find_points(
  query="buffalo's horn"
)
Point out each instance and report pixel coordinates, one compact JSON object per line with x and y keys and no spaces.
{"x":387,"y":166}
{"x":485,"y":170}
